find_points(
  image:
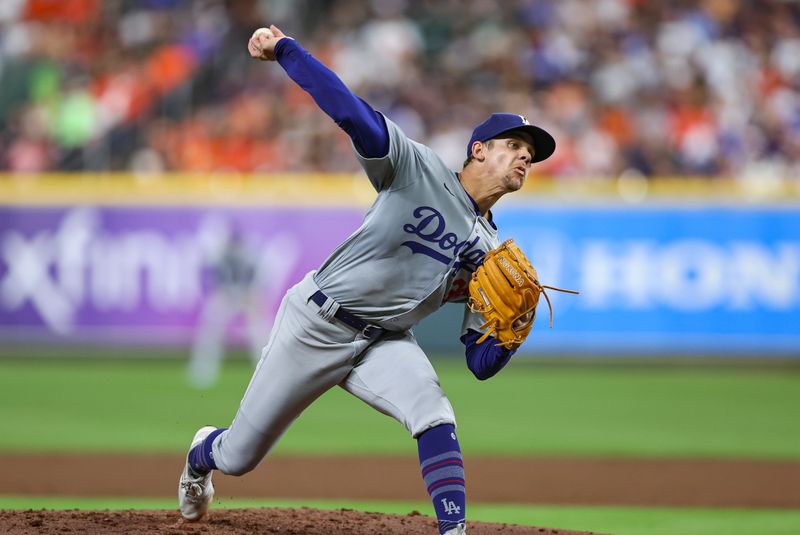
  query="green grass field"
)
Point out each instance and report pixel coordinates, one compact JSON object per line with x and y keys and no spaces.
{"x":529,"y":409}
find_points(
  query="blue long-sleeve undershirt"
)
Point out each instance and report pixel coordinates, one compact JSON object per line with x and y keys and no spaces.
{"x":365,"y":126}
{"x":487,"y":358}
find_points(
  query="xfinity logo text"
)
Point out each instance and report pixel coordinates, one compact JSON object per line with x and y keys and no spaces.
{"x":80,"y":267}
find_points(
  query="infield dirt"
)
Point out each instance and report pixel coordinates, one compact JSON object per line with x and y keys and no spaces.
{"x":645,"y":482}
{"x":244,"y":521}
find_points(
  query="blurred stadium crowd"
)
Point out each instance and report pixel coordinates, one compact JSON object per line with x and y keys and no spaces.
{"x":655,"y":88}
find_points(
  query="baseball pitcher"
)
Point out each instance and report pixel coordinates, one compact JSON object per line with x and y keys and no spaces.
{"x":427,"y":240}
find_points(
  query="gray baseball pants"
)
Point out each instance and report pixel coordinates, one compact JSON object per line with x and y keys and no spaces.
{"x":305,"y":356}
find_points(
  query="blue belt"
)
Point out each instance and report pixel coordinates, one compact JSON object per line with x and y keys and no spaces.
{"x":368,"y":330}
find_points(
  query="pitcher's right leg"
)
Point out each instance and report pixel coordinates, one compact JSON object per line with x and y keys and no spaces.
{"x":305,"y":356}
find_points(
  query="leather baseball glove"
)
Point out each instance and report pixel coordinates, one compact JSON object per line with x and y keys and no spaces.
{"x":505,"y":289}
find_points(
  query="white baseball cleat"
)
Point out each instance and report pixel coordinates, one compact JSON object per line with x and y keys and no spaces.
{"x":460,"y":529}
{"x":195,"y":493}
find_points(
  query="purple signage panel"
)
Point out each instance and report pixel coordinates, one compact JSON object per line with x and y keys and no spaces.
{"x":128,"y":275}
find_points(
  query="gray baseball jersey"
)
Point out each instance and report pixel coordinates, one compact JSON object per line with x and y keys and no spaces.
{"x":418,"y":245}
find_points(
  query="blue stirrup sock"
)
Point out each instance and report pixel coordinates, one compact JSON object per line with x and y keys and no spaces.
{"x":443,"y":474}
{"x":201,"y":457}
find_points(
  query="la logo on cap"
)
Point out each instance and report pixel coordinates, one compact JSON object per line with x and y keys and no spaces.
{"x":524,"y":119}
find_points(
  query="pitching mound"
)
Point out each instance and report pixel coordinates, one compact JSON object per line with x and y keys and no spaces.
{"x":243,"y":521}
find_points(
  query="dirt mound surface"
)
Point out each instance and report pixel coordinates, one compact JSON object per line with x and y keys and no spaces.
{"x":244,"y":521}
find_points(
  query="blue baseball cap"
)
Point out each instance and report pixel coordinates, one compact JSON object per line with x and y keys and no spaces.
{"x":500,"y":123}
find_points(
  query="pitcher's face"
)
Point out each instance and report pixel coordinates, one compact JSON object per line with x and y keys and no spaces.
{"x":509,"y":160}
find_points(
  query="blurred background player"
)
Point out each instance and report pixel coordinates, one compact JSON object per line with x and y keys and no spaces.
{"x":235,"y":294}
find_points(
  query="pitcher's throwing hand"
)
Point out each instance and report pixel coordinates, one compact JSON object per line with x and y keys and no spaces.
{"x":263,"y":41}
